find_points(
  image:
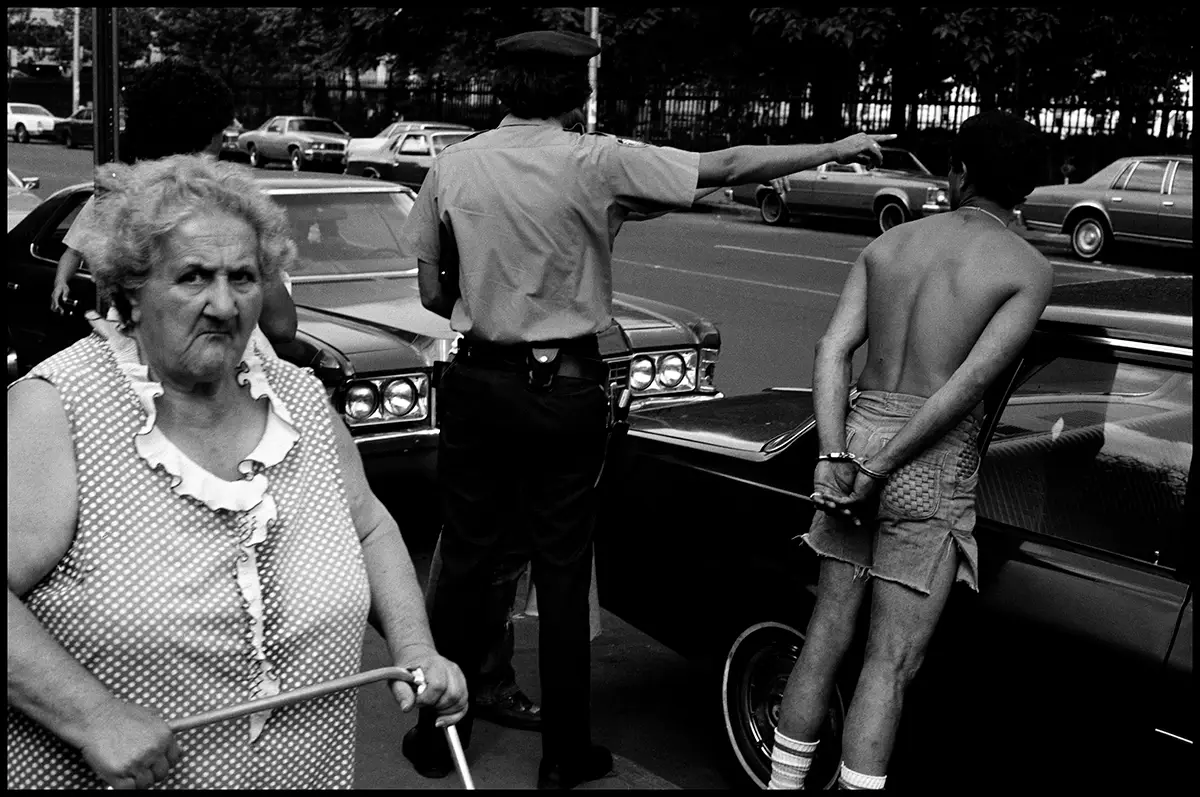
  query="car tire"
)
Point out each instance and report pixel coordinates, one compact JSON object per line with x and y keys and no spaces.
{"x":296,"y":160}
{"x":69,"y":140}
{"x":756,"y":669}
{"x":773,"y":209}
{"x":1089,"y":236}
{"x":20,"y":134}
{"x":256,"y":161}
{"x":890,"y":213}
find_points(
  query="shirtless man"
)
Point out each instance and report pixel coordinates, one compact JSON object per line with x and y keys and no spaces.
{"x":945,"y":303}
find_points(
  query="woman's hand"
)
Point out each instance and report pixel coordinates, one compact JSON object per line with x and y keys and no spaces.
{"x":445,"y":686}
{"x":833,"y":481}
{"x":129,"y":747}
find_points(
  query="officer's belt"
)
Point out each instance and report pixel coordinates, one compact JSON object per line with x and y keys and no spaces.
{"x":514,"y":357}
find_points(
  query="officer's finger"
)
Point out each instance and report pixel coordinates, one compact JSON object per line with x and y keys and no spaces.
{"x":882,"y":137}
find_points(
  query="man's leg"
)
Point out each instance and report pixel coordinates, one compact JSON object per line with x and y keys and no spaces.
{"x":806,"y":698}
{"x":902,"y":623}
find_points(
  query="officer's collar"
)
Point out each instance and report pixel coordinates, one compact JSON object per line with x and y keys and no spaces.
{"x":517,"y":121}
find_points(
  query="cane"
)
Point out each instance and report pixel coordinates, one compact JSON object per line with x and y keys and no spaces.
{"x":414,"y":677}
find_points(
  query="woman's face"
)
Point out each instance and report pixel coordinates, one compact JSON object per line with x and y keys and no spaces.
{"x":194,"y":315}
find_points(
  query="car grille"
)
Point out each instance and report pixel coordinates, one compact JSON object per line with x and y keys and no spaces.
{"x":335,"y":147}
{"x":618,"y":377}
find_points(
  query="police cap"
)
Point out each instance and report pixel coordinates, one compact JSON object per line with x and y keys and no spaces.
{"x":548,"y":43}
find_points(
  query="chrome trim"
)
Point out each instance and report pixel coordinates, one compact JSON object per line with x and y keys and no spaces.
{"x":933,"y":207}
{"x":788,"y":390}
{"x":1135,"y":345}
{"x":787,"y":438}
{"x":1173,"y":736}
{"x":1048,"y":226}
{"x":670,"y":401}
{"x":416,"y":434}
{"x":1169,"y":183}
{"x":374,"y":188}
{"x":411,"y":272}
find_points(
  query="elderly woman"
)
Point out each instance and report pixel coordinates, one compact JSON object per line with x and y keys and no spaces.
{"x":189,"y":522}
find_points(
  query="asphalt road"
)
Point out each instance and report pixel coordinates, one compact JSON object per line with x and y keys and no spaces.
{"x":771,"y":291}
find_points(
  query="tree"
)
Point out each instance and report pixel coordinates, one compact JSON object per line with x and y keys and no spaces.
{"x":135,"y":33}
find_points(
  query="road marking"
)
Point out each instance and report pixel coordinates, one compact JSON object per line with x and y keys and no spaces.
{"x":723,"y":277}
{"x":1070,"y":264}
{"x":783,"y":254}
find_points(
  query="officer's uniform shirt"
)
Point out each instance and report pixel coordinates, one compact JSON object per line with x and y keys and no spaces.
{"x":534,"y":210}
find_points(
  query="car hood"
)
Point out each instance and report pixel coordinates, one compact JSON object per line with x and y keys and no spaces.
{"x":323,"y":138}
{"x":894,"y":175}
{"x":19,"y":204}
{"x":392,"y":304}
{"x":755,"y":427}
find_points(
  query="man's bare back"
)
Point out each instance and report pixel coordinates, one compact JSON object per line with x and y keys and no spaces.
{"x":932,"y":287}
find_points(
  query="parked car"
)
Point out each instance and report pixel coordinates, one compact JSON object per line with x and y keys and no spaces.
{"x":900,"y":190}
{"x":27,"y":120}
{"x":385,"y":137}
{"x":229,"y":142}
{"x":361,"y":324}
{"x":305,"y":142}
{"x":1144,"y":199}
{"x":79,"y":128}
{"x":1082,"y":631}
{"x":21,"y":199}
{"x":407,"y":159}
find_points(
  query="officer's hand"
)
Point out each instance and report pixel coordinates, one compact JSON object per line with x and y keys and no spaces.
{"x":59,"y":297}
{"x":129,"y":747}
{"x":445,"y":686}
{"x":862,"y":148}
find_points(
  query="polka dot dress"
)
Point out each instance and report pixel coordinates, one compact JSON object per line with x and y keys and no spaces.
{"x":180,"y":603}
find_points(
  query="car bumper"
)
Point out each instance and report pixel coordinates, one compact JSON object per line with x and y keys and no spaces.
{"x":672,"y":401}
{"x":322,"y":156}
{"x":930,"y":208}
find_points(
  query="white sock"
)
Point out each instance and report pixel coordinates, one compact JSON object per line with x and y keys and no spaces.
{"x":790,"y":761}
{"x":849,"y":779}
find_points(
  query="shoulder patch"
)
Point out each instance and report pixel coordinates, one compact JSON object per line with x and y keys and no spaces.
{"x":631,"y":142}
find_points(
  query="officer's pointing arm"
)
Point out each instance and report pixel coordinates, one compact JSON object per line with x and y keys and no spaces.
{"x":759,"y":164}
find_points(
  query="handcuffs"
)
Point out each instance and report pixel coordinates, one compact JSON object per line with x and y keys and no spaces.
{"x":419,"y":683}
{"x":846,"y":456}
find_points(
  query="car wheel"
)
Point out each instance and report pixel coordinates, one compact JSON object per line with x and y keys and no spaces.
{"x":773,"y":209}
{"x":757,"y":666}
{"x":890,"y":214}
{"x":1089,"y":236}
{"x":372,"y":173}
{"x":296,"y":160}
{"x":69,"y":140}
{"x":21,"y":135}
{"x":256,"y":161}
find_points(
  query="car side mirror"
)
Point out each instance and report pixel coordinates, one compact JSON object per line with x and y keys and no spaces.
{"x":31,"y":182}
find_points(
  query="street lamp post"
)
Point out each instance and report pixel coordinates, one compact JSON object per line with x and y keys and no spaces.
{"x":593,"y":20}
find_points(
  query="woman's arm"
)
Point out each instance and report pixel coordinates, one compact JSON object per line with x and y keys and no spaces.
{"x":278,"y":319}
{"x":124,"y":744}
{"x":397,"y":604}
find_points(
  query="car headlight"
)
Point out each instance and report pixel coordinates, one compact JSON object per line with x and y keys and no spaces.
{"x":937,"y":196}
{"x":641,"y":373}
{"x":671,"y":371}
{"x":361,"y":401}
{"x":399,"y":397}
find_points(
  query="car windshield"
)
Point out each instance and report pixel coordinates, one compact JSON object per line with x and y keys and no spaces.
{"x":901,"y":161}
{"x":349,"y":233}
{"x":443,"y":141}
{"x":316,"y":126}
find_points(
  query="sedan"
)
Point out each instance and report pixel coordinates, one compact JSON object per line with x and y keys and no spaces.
{"x":1137,"y":199}
{"x":79,"y":128}
{"x":407,"y":159}
{"x":27,"y":121}
{"x":362,"y":328}
{"x":1081,"y":633}
{"x":387,"y":136}
{"x":900,"y":190}
{"x":304,"y":142}
{"x":21,"y":199}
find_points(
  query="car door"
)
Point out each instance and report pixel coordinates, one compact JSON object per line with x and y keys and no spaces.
{"x":37,"y":331}
{"x":1133,"y":208}
{"x":1175,"y":212}
{"x":837,"y":188}
{"x":269,"y":143}
{"x":413,"y":159}
{"x":1080,"y":504}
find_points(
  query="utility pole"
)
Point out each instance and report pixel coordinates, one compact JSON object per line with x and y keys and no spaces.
{"x":593,"y":25}
{"x":106,"y":88}
{"x":75,"y":66}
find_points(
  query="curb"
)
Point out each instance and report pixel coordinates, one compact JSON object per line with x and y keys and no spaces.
{"x":722,"y":206}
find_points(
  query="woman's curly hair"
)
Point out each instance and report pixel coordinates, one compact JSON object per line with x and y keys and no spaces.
{"x":139,"y":206}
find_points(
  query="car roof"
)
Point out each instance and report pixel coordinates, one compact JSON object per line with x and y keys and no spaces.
{"x":298,"y":182}
{"x":1143,"y":309}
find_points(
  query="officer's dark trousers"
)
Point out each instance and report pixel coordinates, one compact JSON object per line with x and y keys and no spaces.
{"x":517,"y":468}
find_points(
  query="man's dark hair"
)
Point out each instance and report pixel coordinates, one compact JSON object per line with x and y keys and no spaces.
{"x":175,"y":106}
{"x":541,"y":87}
{"x":1005,"y":156}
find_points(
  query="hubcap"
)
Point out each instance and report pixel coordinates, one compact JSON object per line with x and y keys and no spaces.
{"x":772,"y":207}
{"x":295,"y":161}
{"x":1088,"y":237}
{"x":889,"y":217}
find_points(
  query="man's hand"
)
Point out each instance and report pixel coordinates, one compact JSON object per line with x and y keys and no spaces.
{"x":129,"y":747}
{"x":863,"y":497}
{"x":59,"y":296}
{"x":834,"y":479}
{"x":445,"y":686}
{"x":861,"y":148}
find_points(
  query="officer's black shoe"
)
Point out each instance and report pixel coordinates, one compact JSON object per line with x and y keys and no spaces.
{"x":595,"y":764}
{"x":429,"y":752}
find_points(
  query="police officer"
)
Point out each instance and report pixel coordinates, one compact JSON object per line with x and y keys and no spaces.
{"x":513,"y":231}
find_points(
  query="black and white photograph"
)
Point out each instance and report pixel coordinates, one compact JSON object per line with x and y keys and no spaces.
{"x":510,"y":397}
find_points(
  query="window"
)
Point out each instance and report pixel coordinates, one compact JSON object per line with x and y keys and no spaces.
{"x":31,"y":110}
{"x":1181,"y":185}
{"x":349,"y":233}
{"x":441,"y":142}
{"x":1148,"y":176}
{"x":1124,"y":175}
{"x":275,"y":127}
{"x":414,"y":145}
{"x":843,"y":168}
{"x":1096,"y":452}
{"x":49,"y":243}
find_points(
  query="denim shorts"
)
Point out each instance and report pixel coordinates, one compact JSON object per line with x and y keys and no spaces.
{"x":926,"y":508}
